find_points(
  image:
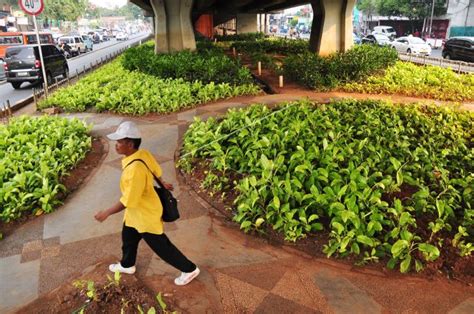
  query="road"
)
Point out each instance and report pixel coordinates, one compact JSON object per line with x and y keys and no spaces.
{"x":78,"y":63}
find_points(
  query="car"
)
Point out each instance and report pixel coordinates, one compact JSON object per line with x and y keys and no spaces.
{"x":87,"y":42}
{"x":459,"y":48}
{"x":75,"y":42}
{"x":411,"y":45}
{"x":388,"y":31}
{"x":376,"y":39}
{"x":122,"y":36}
{"x":22,"y":64}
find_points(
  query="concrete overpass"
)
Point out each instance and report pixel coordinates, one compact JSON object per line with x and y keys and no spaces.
{"x":174,"y":19}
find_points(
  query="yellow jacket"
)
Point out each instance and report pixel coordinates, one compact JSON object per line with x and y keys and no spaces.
{"x":143,"y":209}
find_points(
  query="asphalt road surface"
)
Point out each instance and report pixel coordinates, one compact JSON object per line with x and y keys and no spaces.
{"x":7,"y":92}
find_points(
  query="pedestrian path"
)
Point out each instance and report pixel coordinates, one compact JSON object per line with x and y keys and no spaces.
{"x":240,"y":273}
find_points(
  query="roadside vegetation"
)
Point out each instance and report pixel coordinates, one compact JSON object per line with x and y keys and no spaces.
{"x":34,"y":154}
{"x":141,"y":82}
{"x":383,"y":181}
{"x":420,"y":81}
{"x":363,"y":68}
{"x":323,"y":73}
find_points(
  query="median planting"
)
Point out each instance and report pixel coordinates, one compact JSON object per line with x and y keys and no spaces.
{"x":141,"y":82}
{"x":420,"y":81}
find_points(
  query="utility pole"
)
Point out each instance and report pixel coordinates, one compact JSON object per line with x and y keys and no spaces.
{"x":431,"y":20}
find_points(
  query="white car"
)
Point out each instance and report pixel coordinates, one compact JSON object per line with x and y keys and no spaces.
{"x":122,"y":36}
{"x":412,"y":45}
{"x":75,"y":42}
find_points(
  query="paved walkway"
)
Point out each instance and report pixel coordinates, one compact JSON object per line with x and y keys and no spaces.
{"x":239,"y":273}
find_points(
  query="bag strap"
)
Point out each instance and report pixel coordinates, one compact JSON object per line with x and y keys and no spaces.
{"x":156,"y":178}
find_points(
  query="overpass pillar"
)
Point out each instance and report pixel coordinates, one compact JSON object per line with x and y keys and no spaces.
{"x":247,"y":23}
{"x":173,"y":27}
{"x":332,"y":26}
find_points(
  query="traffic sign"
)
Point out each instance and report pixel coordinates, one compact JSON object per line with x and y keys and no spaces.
{"x":32,"y":7}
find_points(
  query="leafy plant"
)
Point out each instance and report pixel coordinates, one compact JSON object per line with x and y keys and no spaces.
{"x":384,"y":181}
{"x":273,"y":45}
{"x":420,"y":81}
{"x":208,"y":65}
{"x":34,"y":153}
{"x":112,"y":88}
{"x":319,"y":72}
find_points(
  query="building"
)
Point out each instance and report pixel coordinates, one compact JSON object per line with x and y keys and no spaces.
{"x":461,"y":16}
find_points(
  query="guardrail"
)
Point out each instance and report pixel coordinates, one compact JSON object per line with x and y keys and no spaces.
{"x":41,"y":92}
{"x":457,"y":66}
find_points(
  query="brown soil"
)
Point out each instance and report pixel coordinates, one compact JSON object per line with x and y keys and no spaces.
{"x":109,"y":296}
{"x":72,"y":182}
{"x":449,"y":264}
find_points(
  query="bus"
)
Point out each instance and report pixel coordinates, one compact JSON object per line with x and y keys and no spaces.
{"x":8,"y":39}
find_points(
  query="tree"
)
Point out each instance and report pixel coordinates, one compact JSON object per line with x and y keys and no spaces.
{"x":12,"y":3}
{"x":412,"y":9}
{"x":64,"y":10}
{"x":370,"y":7}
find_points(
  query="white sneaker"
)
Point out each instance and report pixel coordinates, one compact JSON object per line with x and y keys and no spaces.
{"x":186,"y":278}
{"x":118,"y":267}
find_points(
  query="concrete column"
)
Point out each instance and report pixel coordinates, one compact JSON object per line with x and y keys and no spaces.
{"x":247,"y":23}
{"x":161,"y":28}
{"x":332,"y":26}
{"x":174,"y":30}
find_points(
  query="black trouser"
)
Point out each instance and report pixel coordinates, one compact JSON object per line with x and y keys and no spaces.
{"x":159,"y":243}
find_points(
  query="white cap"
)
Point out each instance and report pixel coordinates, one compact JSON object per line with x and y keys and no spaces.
{"x":126,"y":129}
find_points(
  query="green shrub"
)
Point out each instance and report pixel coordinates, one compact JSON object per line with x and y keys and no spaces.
{"x":318,"y":72}
{"x":275,"y":46}
{"x":34,"y":153}
{"x":240,"y":37}
{"x":385,"y":181}
{"x":207,"y":65}
{"x":112,"y":88}
{"x":420,"y":81}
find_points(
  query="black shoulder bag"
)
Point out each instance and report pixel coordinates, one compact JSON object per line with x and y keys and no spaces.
{"x":170,"y":205}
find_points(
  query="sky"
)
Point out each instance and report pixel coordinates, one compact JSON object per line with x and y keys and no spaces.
{"x":109,"y":3}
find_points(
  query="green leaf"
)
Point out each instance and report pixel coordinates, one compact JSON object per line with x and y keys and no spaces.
{"x":245,"y":224}
{"x":418,"y":266}
{"x":338,"y":226}
{"x":392,"y":263}
{"x":162,"y":303}
{"x":399,"y":178}
{"x":405,"y":264}
{"x":365,"y":240}
{"x":355,"y":248}
{"x":405,"y":218}
{"x":276,"y":202}
{"x":398,"y":247}
{"x":325,"y":144}
{"x":396,"y":164}
{"x":430,"y":252}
